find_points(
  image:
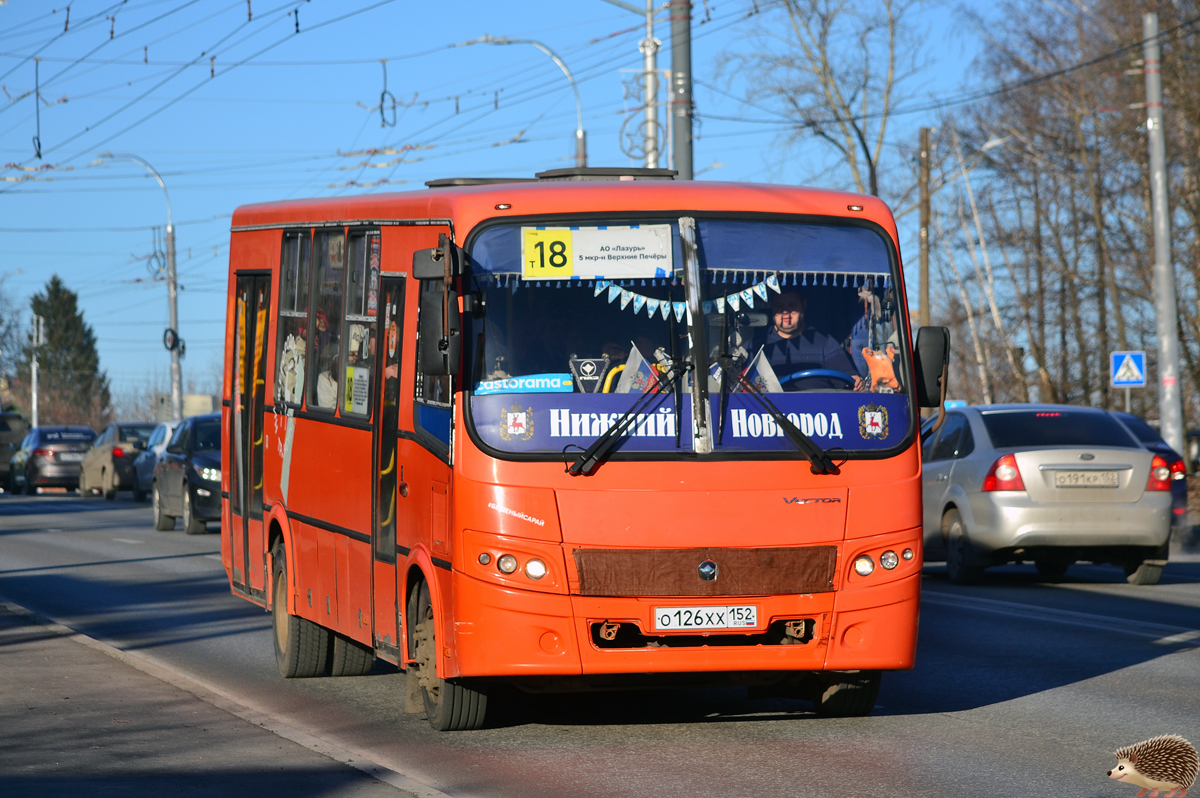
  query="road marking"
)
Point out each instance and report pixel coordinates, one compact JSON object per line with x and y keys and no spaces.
{"x":217,"y":697}
{"x":1160,"y":634}
{"x":216,"y":557}
{"x":127,"y":540}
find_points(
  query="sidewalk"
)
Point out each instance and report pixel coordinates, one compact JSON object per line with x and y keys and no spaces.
{"x":76,"y":721}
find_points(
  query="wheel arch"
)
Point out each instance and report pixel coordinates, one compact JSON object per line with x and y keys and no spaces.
{"x":279,"y":530}
{"x":420,"y":568}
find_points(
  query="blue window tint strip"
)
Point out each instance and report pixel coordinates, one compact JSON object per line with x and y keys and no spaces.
{"x":790,"y":247}
{"x":435,"y":420}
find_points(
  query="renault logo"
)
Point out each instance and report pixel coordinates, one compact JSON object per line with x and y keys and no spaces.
{"x":708,"y":571}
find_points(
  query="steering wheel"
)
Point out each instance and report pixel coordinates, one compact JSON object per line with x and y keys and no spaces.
{"x":831,"y":374}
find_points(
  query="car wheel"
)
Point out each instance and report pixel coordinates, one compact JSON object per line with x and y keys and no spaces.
{"x":139,"y":495}
{"x":449,"y":706}
{"x":30,"y":488}
{"x":107,"y":486}
{"x":958,"y":549}
{"x":1142,"y":573}
{"x":1051,"y":569}
{"x":301,"y":646}
{"x":191,"y":524}
{"x":162,"y":521}
{"x":847,"y":695}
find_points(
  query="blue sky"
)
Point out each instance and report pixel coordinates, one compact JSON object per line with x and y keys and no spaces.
{"x":233,"y":106}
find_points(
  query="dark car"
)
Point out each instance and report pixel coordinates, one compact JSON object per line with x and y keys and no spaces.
{"x":108,"y":466}
{"x":13,"y":429}
{"x":49,"y":457}
{"x":143,"y":466}
{"x":1150,"y":438}
{"x":187,"y":478}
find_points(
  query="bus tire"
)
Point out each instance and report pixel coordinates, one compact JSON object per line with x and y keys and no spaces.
{"x":1142,"y":573}
{"x":958,"y":550}
{"x":301,"y":646}
{"x":191,"y":524}
{"x":162,"y":521}
{"x":350,"y":657}
{"x":449,"y":706}
{"x":847,"y":695}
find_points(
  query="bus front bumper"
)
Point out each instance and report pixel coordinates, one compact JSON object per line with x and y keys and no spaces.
{"x":502,"y":632}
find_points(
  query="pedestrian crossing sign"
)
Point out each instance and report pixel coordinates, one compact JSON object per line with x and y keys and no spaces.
{"x":1128,"y":369}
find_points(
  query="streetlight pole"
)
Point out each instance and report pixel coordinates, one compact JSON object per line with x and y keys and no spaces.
{"x":1170,"y":403}
{"x":580,"y":136}
{"x":172,"y":288}
{"x":650,"y":47}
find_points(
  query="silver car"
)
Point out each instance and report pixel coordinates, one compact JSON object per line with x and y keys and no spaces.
{"x":1048,"y":483}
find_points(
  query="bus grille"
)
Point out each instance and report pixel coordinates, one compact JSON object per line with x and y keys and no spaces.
{"x":676,"y":572}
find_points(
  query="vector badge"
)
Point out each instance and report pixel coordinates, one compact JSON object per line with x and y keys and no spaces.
{"x":872,"y":422}
{"x":516,"y":423}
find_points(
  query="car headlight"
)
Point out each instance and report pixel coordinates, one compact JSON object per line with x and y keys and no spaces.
{"x":205,"y":472}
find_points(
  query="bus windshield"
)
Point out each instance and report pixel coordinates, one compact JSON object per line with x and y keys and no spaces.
{"x":581,"y":321}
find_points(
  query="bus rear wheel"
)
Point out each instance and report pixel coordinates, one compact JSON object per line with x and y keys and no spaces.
{"x":449,"y":706}
{"x":301,"y":646}
{"x":350,"y":657}
{"x":847,"y":695}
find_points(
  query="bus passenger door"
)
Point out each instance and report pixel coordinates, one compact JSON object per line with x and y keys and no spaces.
{"x":246,"y":417}
{"x":387,"y":466}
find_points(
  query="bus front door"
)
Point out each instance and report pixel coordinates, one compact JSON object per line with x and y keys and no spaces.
{"x":391,"y":326}
{"x":246,"y":417}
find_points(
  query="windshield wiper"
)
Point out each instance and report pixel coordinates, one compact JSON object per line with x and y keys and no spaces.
{"x":590,"y":458}
{"x":818,"y":459}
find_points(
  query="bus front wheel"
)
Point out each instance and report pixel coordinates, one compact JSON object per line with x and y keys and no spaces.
{"x":847,"y":695}
{"x":449,"y":706}
{"x":301,"y":646}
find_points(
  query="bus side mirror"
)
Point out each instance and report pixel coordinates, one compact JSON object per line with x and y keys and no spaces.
{"x":430,"y":264}
{"x":932,"y":362}
{"x":439,"y":353}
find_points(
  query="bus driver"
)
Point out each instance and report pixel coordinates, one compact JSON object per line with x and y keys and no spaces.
{"x":791,"y":346}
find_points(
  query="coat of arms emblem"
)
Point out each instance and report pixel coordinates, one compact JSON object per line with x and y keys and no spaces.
{"x":516,"y":423}
{"x":872,"y":422}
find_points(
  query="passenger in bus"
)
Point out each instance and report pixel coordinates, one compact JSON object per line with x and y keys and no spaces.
{"x":327,"y":387}
{"x":792,"y":346}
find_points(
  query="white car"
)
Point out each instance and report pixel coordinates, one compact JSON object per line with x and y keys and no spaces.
{"x":1050,"y":484}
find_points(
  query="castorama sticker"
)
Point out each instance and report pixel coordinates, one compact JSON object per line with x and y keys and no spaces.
{"x":527,"y":422}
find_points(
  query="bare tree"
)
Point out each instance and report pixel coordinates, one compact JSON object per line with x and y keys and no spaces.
{"x":834,"y":69}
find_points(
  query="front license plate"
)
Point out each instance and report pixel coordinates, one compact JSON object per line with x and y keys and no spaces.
{"x":735,"y":616}
{"x":1085,"y":479}
{"x":70,"y":457}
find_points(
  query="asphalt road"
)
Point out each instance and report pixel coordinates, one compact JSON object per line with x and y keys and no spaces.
{"x":1021,"y":686}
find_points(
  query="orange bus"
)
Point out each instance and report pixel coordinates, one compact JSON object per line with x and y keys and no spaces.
{"x":593,"y":429}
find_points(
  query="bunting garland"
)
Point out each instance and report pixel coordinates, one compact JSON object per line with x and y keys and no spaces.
{"x":759,"y":292}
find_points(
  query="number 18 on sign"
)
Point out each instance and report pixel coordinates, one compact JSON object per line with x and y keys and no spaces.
{"x":1128,"y":370}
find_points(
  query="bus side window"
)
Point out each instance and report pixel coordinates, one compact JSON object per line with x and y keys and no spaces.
{"x":326,"y":329}
{"x":362,"y":301}
{"x":431,"y":411}
{"x":293,"y":317}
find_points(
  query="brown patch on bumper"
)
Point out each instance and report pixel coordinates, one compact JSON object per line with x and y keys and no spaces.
{"x":673,"y":572}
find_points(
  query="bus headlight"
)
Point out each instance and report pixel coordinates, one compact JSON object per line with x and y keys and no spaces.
{"x":535,"y":569}
{"x":889,"y":560}
{"x":864,"y":565}
{"x":507,"y":563}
